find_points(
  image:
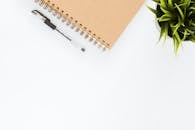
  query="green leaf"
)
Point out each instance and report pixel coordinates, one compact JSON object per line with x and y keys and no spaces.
{"x":187,"y":2}
{"x":192,"y":38}
{"x":165,"y":10}
{"x":151,"y":9}
{"x":176,"y":27}
{"x":164,"y":31}
{"x":180,"y":12}
{"x":177,"y":42}
{"x":165,"y":17}
{"x":170,"y":4}
{"x":163,"y":3}
{"x":185,"y":35}
{"x":192,"y":8}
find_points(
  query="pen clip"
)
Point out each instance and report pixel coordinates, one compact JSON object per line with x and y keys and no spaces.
{"x":40,"y":15}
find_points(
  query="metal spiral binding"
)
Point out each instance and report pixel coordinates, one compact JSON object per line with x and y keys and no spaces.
{"x":68,"y":21}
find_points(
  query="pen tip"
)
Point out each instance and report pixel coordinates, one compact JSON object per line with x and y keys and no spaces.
{"x":83,"y":49}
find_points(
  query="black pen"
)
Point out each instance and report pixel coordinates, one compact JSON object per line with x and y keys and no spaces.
{"x":48,"y":22}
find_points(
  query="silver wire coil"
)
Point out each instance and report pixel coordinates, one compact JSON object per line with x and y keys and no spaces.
{"x":69,"y":22}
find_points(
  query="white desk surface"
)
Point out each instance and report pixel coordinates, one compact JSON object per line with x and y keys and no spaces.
{"x":46,"y":84}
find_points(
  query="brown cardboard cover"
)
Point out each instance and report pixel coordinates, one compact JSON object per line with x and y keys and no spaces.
{"x":104,"y":20}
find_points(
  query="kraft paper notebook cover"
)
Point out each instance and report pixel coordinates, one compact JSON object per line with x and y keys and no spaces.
{"x":101,"y":20}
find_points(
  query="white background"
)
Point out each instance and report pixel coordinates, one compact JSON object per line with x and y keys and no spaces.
{"x":46,"y":84}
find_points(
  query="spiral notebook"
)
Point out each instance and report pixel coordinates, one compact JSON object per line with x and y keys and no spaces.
{"x":100,"y":21}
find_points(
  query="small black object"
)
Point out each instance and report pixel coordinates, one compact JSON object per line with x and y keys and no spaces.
{"x":83,"y":49}
{"x":51,"y":25}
